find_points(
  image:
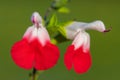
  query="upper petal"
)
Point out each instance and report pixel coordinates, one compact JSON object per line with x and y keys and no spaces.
{"x":40,"y":33}
{"x":36,"y":18}
{"x":73,"y":28}
{"x":28,"y":32}
{"x":96,"y":25}
{"x":43,"y":36}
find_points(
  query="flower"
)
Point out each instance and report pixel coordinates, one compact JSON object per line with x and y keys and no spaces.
{"x":78,"y":53}
{"x":35,"y":49}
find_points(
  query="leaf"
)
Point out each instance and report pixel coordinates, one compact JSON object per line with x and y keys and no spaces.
{"x":53,"y":21}
{"x":62,"y":28}
{"x":54,"y":41}
{"x":52,"y":26}
{"x":63,"y":10}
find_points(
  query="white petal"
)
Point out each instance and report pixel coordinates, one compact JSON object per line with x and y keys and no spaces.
{"x":82,"y":39}
{"x":36,"y":18}
{"x":96,"y":25}
{"x":34,"y":34}
{"x":28,"y":32}
{"x":31,"y":33}
{"x":43,"y":35}
{"x":37,"y":33}
{"x":73,"y":28}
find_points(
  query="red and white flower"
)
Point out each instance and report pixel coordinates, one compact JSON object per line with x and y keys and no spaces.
{"x":78,"y":53}
{"x":35,"y":49}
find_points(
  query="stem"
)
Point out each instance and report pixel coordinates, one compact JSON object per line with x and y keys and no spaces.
{"x":34,"y":74}
{"x":47,"y":13}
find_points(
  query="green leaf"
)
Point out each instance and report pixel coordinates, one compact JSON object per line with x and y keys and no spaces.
{"x":62,"y":28}
{"x":54,"y":41}
{"x":63,"y":10}
{"x":53,"y":21}
{"x":52,"y":26}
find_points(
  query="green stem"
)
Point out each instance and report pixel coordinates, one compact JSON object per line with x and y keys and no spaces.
{"x":47,"y":13}
{"x":34,"y":75}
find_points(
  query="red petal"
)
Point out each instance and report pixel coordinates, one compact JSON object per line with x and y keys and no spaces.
{"x":68,"y":58}
{"x":22,"y":54}
{"x":46,"y":57}
{"x":81,"y":61}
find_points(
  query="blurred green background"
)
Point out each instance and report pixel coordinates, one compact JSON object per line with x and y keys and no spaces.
{"x":105,"y":48}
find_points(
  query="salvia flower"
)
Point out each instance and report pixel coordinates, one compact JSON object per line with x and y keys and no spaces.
{"x":35,"y":49}
{"x":78,"y":53}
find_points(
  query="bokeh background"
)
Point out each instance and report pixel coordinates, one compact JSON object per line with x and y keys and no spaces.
{"x":105,"y":48}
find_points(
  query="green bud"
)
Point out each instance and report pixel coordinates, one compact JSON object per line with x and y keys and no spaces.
{"x":56,"y":4}
{"x":63,"y":10}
